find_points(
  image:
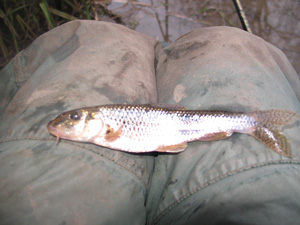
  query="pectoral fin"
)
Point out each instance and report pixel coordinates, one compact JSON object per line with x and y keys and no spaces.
{"x":111,"y":134}
{"x":172,"y":148}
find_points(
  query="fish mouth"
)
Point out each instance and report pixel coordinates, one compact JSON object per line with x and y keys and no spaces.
{"x":53,"y":131}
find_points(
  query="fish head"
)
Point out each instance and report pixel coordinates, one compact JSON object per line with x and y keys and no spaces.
{"x":77,"y":125}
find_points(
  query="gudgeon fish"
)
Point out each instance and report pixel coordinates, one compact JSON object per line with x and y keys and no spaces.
{"x":147,"y":128}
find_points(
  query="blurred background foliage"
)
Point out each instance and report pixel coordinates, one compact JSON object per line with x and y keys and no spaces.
{"x":22,"y":21}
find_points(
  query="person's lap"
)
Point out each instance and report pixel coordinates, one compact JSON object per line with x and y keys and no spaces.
{"x":79,"y":64}
{"x":93,"y":63}
{"x":237,"y":178}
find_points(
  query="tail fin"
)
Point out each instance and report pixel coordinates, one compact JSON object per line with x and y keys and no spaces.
{"x":265,"y":130}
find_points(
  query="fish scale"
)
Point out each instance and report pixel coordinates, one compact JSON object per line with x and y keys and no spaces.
{"x":146,"y":128}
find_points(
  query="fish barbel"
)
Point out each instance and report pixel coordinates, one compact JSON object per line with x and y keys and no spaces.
{"x":147,"y":128}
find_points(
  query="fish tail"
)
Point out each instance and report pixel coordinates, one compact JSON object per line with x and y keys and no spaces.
{"x":266,"y":129}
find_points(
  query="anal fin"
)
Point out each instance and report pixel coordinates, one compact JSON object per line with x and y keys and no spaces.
{"x":274,"y":140}
{"x":215,"y":136}
{"x":172,"y":148}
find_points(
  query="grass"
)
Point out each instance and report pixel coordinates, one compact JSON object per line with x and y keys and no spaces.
{"x":21,"y":21}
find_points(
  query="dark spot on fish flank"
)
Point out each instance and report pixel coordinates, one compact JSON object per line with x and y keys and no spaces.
{"x":112,"y":62}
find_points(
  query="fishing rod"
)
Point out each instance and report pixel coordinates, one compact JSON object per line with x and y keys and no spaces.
{"x":242,"y":15}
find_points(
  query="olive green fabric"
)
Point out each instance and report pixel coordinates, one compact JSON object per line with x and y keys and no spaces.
{"x":237,"y":180}
{"x":82,"y":63}
{"x":72,"y":66}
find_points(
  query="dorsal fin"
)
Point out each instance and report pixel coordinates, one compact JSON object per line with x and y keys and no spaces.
{"x":170,"y":106}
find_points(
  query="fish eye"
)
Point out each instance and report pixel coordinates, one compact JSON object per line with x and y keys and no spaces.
{"x":75,"y":116}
